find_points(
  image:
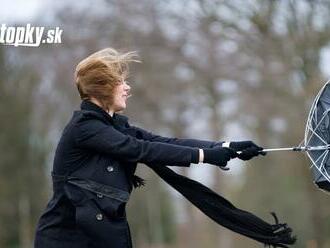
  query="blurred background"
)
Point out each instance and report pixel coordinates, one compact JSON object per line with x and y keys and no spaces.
{"x":211,"y":69}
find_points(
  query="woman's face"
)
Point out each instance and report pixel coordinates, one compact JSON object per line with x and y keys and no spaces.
{"x":121,"y":93}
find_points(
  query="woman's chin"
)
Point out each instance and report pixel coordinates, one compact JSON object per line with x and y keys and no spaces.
{"x":122,"y":107}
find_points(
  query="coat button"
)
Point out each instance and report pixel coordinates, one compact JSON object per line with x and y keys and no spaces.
{"x":99,"y":216}
{"x":99,"y":195}
{"x":110,"y":168}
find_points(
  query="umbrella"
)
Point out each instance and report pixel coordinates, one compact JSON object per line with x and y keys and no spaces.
{"x":316,"y":142}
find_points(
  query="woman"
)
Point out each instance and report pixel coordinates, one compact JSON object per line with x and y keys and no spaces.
{"x":96,"y":158}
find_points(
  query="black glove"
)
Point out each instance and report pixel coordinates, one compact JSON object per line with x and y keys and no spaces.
{"x":247,"y":149}
{"x":219,"y":156}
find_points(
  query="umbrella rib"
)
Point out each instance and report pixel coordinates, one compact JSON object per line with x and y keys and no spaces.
{"x":315,"y":165}
{"x":314,"y":133}
{"x":322,"y":167}
{"x":322,"y":155}
{"x":309,"y":127}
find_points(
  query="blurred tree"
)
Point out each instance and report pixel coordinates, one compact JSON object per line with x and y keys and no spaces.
{"x":23,"y":153}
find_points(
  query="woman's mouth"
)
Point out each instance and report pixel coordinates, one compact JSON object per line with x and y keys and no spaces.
{"x":127,"y":96}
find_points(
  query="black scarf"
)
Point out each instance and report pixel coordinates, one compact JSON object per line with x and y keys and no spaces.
{"x":224,"y":212}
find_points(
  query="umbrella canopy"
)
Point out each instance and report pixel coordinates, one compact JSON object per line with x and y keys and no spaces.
{"x":317,"y":134}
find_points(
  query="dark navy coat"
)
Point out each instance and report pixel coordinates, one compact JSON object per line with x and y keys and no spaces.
{"x":93,"y":174}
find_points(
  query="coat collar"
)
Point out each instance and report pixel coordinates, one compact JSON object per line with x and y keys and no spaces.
{"x":116,"y":118}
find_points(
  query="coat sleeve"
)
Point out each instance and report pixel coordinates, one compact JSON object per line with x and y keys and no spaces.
{"x":146,"y":135}
{"x":94,"y":135}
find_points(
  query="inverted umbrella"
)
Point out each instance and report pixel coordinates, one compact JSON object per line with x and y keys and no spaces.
{"x":316,"y":142}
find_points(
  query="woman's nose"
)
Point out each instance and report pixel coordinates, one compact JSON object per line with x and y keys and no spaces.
{"x":127,"y":87}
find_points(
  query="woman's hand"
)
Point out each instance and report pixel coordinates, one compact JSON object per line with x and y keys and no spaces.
{"x":219,"y":156}
{"x":246,"y":149}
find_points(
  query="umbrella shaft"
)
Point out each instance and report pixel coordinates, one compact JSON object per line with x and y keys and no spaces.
{"x":298,"y":149}
{"x":280,"y":149}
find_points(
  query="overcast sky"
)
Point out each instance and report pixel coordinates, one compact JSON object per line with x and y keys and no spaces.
{"x":20,"y":10}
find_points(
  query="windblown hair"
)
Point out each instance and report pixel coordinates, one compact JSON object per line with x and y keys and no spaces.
{"x":98,"y":74}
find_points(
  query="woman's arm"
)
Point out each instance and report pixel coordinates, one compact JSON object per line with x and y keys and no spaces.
{"x":94,"y":135}
{"x":149,"y":136}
